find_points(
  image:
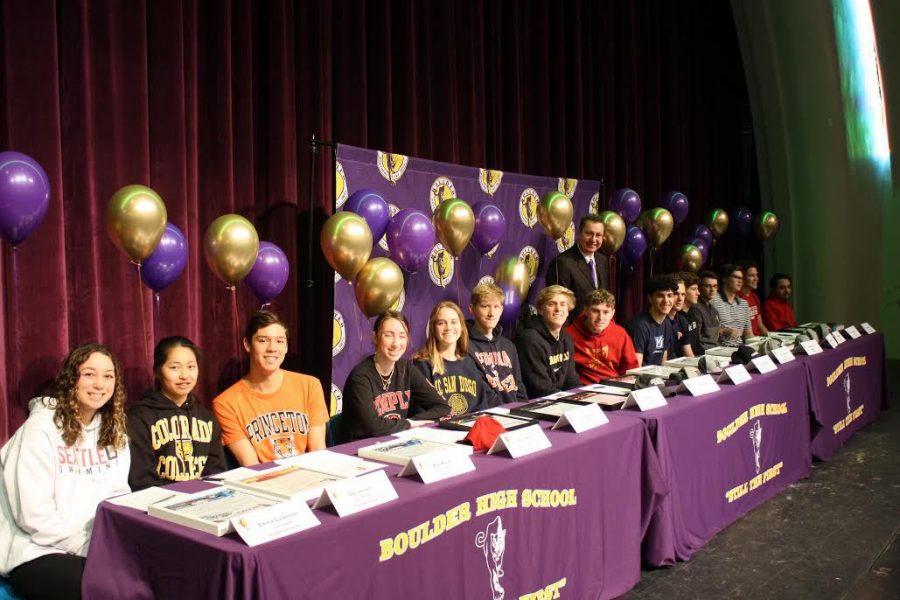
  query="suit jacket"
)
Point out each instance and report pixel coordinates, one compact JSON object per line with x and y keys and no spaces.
{"x":574,"y":273}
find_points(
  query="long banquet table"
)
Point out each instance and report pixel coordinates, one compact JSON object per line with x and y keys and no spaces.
{"x":587,"y":549}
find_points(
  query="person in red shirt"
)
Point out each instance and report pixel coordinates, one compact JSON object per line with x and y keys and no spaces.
{"x":748,"y":293}
{"x":777,"y":312}
{"x":602,"y":347}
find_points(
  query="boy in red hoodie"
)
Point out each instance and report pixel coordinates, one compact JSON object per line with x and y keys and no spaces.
{"x":602,"y":348}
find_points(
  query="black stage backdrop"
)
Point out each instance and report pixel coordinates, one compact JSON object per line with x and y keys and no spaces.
{"x":212,"y":104}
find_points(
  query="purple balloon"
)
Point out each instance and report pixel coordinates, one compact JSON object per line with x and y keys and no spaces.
{"x":410,"y":238}
{"x":373,"y":208}
{"x":24,"y":196}
{"x":701,"y":232}
{"x":627,"y":204}
{"x":490,"y":225}
{"x":702,"y":246}
{"x":677,"y":204}
{"x":167,"y":261}
{"x":512,"y":305}
{"x":744,"y":220}
{"x":269,"y":273}
{"x":633,"y":247}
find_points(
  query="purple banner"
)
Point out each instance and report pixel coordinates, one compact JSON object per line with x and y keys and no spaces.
{"x":724,"y":454}
{"x":566,"y":520}
{"x":848,"y":388}
{"x":408,"y":182}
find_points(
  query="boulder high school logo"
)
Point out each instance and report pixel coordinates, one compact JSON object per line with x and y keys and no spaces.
{"x":487,"y":279}
{"x":567,"y":186}
{"x":594,"y":207}
{"x":393,"y":209}
{"x":530,"y":258}
{"x":489,"y":180}
{"x":493,"y":542}
{"x":337,"y":400}
{"x":441,"y":190}
{"x":401,"y":300}
{"x":340,"y":186}
{"x":339,"y":334}
{"x":528,"y":202}
{"x":846,"y":384}
{"x":440,"y":266}
{"x":567,"y":239}
{"x":756,"y":438}
{"x":392,"y":166}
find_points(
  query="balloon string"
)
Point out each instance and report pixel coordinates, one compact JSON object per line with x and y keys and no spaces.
{"x":143,"y":313}
{"x":458,"y":276}
{"x":359,"y":333}
{"x":156,"y":302}
{"x":15,"y":296}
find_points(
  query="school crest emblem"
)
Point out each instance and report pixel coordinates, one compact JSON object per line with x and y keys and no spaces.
{"x":489,"y":180}
{"x":528,"y":203}
{"x":440,"y":266}
{"x":392,"y":166}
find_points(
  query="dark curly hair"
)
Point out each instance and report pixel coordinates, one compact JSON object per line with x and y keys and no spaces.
{"x":112,"y":426}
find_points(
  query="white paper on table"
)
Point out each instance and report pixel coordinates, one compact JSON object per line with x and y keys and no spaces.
{"x":238,"y":473}
{"x":274,"y":522}
{"x":433,"y":434}
{"x":332,"y":463}
{"x":521,"y":441}
{"x":142,"y":499}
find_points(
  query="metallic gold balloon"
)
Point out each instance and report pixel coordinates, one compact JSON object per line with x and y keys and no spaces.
{"x":614,"y":228}
{"x":717,"y":221}
{"x":512,"y":272}
{"x":657,"y":225}
{"x":230,"y":245}
{"x":346,"y":242}
{"x":689,"y":259}
{"x":555,"y":212}
{"x":136,"y":219}
{"x":378,"y":286}
{"x":454,"y":223}
{"x":766,"y":225}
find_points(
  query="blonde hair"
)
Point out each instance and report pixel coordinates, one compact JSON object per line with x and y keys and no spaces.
{"x":429,"y":352}
{"x":555,"y":290}
{"x":486,"y":291}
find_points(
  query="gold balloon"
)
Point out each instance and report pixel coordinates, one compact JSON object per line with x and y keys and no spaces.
{"x":346,"y":242}
{"x":555,"y":212}
{"x":378,"y":286}
{"x":230,"y":246}
{"x":614,"y":229}
{"x":657,"y":226}
{"x":717,"y":221}
{"x":690,"y":258}
{"x":454,"y":223}
{"x":766,"y":225}
{"x":136,"y":219}
{"x":512,"y":272}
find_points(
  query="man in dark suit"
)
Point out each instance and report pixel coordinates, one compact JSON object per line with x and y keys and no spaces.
{"x":581,"y":268}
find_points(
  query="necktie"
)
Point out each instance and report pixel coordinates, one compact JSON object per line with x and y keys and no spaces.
{"x":593,"y":271}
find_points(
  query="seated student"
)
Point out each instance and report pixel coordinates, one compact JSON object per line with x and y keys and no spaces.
{"x":495,"y":354}
{"x":69,"y":455}
{"x":444,"y":360}
{"x":173,"y":437}
{"x":777,"y":312}
{"x":734,"y":313}
{"x":545,"y":348}
{"x":602,"y":348}
{"x":651,"y":331}
{"x":270,"y":413}
{"x":681,"y":346}
{"x":748,"y":293}
{"x":705,"y":313}
{"x":691,"y":298}
{"x":384,"y":390}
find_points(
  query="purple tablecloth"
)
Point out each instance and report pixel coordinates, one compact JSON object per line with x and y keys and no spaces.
{"x":848,"y":388}
{"x":724,"y":454}
{"x":587,"y":550}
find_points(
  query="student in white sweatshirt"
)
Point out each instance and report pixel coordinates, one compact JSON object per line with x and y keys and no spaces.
{"x":68,"y":456}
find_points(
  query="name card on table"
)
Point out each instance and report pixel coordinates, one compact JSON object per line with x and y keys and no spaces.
{"x":867,"y":328}
{"x":521,"y":442}
{"x":763,"y":364}
{"x":274,"y":522}
{"x":736,"y":374}
{"x":647,"y":398}
{"x":783,"y":355}
{"x":582,"y":418}
{"x":351,"y":496}
{"x":839,"y":337}
{"x":853,"y":332}
{"x":699,"y":386}
{"x":811,"y":347}
{"x":831,"y":341}
{"x":436,"y":466}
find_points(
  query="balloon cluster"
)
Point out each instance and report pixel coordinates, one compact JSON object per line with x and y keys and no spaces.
{"x":347,"y":236}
